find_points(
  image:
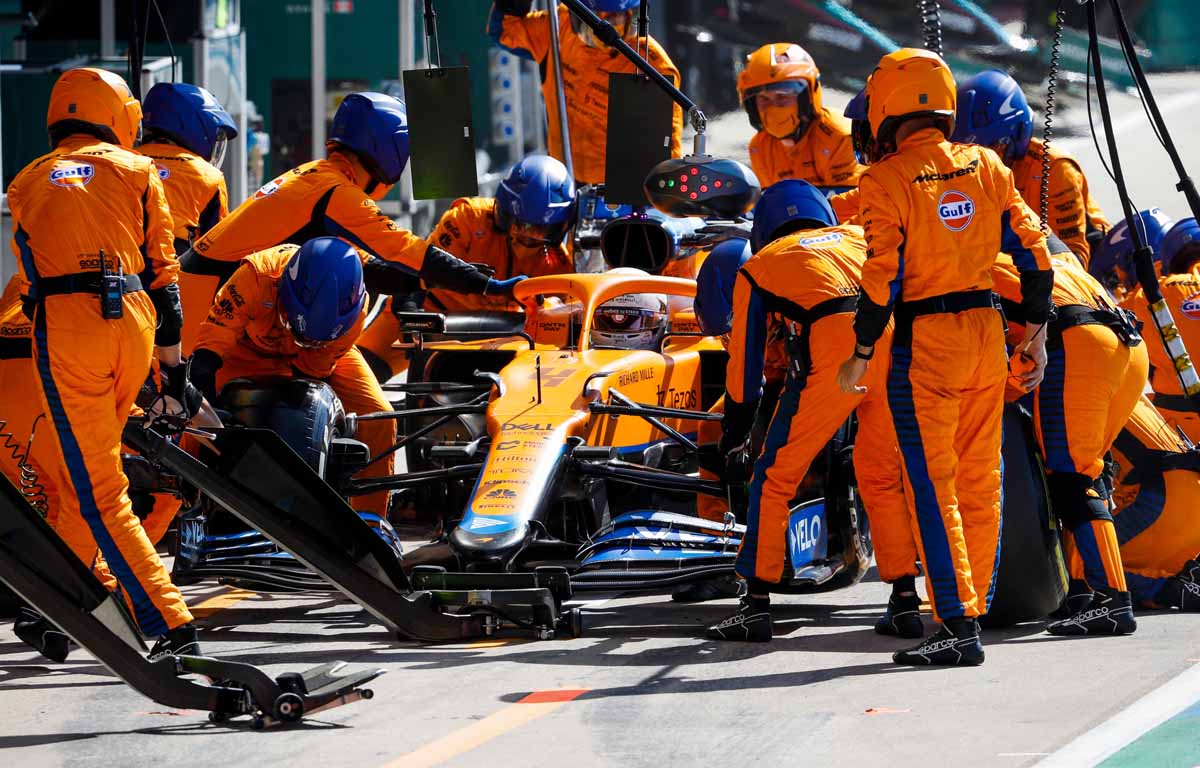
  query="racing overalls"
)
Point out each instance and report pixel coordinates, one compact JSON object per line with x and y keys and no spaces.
{"x":197,"y":199}
{"x":936,"y":214}
{"x":823,"y":156}
{"x":244,"y":330}
{"x":1157,"y":494}
{"x":320,"y":198}
{"x":1075,"y":216}
{"x":811,"y":279}
{"x":195,"y":191}
{"x":585,"y":71}
{"x":467,"y":230}
{"x":84,"y":198}
{"x":1182,"y":294}
{"x":1095,"y":372}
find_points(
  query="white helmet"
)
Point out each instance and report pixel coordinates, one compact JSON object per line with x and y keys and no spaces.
{"x":631,"y":321}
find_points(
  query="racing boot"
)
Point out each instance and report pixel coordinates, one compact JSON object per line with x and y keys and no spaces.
{"x":955,"y":644}
{"x":903,"y":615}
{"x":1182,"y":590}
{"x":751,"y":623}
{"x":40,"y":634}
{"x":1079,"y":597}
{"x":713,"y":589}
{"x":181,"y":641}
{"x":1109,"y":613}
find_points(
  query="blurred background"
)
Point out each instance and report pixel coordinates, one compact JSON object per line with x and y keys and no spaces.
{"x":258,"y":57}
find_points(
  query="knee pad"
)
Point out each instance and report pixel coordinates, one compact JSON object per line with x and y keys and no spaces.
{"x":1077,"y":499}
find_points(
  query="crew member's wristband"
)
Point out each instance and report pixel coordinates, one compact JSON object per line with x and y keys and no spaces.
{"x":861,"y":356}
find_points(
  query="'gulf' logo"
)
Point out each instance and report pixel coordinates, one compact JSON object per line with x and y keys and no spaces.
{"x":71,"y":174}
{"x":163,"y":173}
{"x":268,"y":189}
{"x":1191,"y":306}
{"x":956,"y":210}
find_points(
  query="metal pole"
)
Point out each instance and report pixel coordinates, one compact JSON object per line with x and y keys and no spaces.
{"x":556,"y":61}
{"x":108,"y":28}
{"x":318,"y":78}
{"x":408,"y":60}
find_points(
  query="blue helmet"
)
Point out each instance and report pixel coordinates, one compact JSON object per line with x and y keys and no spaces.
{"x":714,"y":285}
{"x":1112,"y":262}
{"x":611,"y":6}
{"x":321,"y":293}
{"x":1184,"y":233}
{"x":993,"y":112}
{"x":860,"y":128}
{"x":191,"y":117}
{"x":375,"y":127}
{"x":538,"y":191}
{"x":787,"y":206}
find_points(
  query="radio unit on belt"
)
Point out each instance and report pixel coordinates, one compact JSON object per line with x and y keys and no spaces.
{"x":112,"y":290}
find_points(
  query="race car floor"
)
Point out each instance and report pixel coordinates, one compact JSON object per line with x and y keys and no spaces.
{"x":641,"y":687}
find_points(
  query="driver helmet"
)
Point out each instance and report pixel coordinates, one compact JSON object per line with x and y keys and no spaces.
{"x":630,"y":321}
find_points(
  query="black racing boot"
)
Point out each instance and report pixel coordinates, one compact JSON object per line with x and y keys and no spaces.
{"x":1182,"y":590}
{"x":40,"y":634}
{"x":1079,"y":597}
{"x":181,"y":641}
{"x":721,"y":588}
{"x":751,"y":623}
{"x":955,"y":644}
{"x":1109,"y":613}
{"x":903,"y":615}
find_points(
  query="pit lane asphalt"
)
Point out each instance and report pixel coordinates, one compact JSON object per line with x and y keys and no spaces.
{"x":642,"y":687}
{"x":646,"y":690}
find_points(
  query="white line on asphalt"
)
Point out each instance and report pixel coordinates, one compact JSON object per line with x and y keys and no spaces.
{"x":1135,"y":118}
{"x":1129,"y":724}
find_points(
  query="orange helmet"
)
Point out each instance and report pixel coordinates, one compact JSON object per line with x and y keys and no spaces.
{"x":780,"y":66}
{"x":910,"y":82}
{"x":98,"y":99}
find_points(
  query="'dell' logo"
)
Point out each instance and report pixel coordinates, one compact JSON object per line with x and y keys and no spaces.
{"x":956,"y":210}
{"x":72,"y":174}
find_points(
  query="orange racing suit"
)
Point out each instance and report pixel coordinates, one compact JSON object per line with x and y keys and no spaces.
{"x":1075,"y":216}
{"x":316,"y":199}
{"x":467,"y":230}
{"x":823,"y":156}
{"x":811,"y":279}
{"x":84,"y":198}
{"x":244,"y":330}
{"x":1094,"y":376}
{"x":585,"y":72}
{"x":1182,"y":294}
{"x":936,"y":214}
{"x":1157,"y":494}
{"x":195,"y":190}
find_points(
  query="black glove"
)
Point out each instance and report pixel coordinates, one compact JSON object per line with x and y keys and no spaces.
{"x":738,"y":465}
{"x":204,"y":364}
{"x":514,"y":7}
{"x":177,"y":385}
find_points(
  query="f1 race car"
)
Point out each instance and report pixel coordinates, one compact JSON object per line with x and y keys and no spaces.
{"x":557,"y":466}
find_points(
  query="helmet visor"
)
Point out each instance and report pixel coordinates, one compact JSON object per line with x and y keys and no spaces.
{"x":627,"y":320}
{"x":299,"y":338}
{"x":536,"y":235}
{"x":220,"y":146}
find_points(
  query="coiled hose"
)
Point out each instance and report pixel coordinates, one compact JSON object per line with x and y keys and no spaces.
{"x":1048,"y":125}
{"x":29,"y":483}
{"x":931,"y":24}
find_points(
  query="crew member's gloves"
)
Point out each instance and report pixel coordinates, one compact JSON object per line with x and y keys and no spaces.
{"x":177,"y":385}
{"x":738,"y":465}
{"x":502,"y":287}
{"x":514,"y":7}
{"x":204,"y":366}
